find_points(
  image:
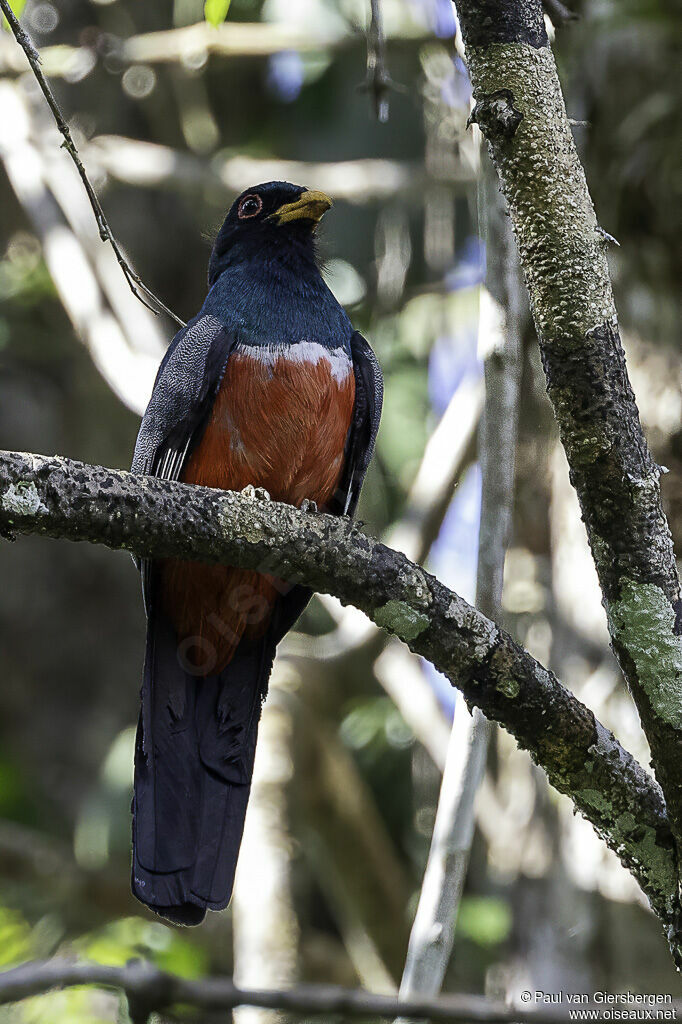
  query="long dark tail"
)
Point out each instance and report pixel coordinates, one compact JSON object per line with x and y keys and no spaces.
{"x":194,"y":755}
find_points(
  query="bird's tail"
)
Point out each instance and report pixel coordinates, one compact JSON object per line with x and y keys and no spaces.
{"x":194,"y":755}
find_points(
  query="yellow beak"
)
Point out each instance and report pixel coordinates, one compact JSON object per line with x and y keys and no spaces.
{"x":309,"y":206}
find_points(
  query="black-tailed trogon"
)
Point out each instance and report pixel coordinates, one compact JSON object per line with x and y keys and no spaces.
{"x":269,"y":386}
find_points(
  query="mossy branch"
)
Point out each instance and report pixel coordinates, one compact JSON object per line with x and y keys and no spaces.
{"x":520,"y":109}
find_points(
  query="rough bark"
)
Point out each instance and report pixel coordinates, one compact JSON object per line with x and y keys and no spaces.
{"x":57,"y":497}
{"x":520,"y":110}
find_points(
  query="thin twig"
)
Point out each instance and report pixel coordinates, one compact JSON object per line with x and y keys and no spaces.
{"x":105,"y":232}
{"x":378,"y":81}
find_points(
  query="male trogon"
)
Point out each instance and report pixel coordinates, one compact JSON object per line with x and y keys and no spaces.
{"x":269,"y":386}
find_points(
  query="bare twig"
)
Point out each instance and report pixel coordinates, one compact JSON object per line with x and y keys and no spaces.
{"x":378,"y":81}
{"x":149,"y":989}
{"x":105,"y":233}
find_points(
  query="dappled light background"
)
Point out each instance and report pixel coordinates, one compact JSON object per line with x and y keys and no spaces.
{"x":174,"y":117}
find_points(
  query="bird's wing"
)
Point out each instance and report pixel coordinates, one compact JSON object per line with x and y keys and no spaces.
{"x":183,"y":394}
{"x":369,"y":394}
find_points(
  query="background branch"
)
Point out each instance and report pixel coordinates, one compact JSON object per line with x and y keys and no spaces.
{"x":105,"y":232}
{"x":378,"y":81}
{"x":126,"y":340}
{"x":433,"y":932}
{"x":149,"y":989}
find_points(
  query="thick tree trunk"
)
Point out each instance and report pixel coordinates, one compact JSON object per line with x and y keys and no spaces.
{"x":520,"y":110}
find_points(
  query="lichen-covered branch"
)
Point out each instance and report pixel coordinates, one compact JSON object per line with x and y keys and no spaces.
{"x":57,"y":497}
{"x":520,"y":110}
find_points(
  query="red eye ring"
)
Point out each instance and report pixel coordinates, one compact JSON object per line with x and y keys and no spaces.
{"x":249,"y":206}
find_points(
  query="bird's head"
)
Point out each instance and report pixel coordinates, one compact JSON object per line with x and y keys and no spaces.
{"x":273,"y":217}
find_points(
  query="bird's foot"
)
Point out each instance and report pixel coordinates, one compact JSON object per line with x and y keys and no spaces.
{"x":255,"y":493}
{"x":308,"y":505}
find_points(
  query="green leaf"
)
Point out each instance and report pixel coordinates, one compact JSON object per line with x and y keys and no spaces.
{"x":215,"y":11}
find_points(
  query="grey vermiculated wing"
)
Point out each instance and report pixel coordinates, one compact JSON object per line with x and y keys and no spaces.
{"x":184,"y":389}
{"x":369,"y":394}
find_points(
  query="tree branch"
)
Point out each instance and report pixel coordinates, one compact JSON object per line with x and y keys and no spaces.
{"x":105,"y":232}
{"x":176,"y":45}
{"x":57,"y":497}
{"x":378,"y":81}
{"x":150,"y":164}
{"x":149,"y":989}
{"x":520,"y":109}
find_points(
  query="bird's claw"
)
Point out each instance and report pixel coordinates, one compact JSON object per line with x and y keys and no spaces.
{"x":308,"y":505}
{"x":255,"y":493}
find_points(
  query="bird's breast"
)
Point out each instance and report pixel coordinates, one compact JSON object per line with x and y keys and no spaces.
{"x":279,"y":421}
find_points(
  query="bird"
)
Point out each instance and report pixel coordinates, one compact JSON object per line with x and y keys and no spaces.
{"x":268,"y":390}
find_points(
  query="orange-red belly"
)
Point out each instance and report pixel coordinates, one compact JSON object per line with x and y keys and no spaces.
{"x":278,"y":423}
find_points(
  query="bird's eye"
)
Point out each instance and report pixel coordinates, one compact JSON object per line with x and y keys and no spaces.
{"x":250,"y":206}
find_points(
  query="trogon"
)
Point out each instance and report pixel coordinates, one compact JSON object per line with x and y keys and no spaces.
{"x":267,"y":387}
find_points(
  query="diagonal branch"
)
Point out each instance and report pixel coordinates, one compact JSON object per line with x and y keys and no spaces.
{"x":105,"y":232}
{"x":57,"y":497}
{"x":520,"y":109}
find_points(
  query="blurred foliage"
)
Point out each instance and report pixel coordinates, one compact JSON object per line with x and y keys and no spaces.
{"x":484,"y":920}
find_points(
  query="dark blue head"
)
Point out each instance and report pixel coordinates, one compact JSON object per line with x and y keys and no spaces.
{"x":274,"y":220}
